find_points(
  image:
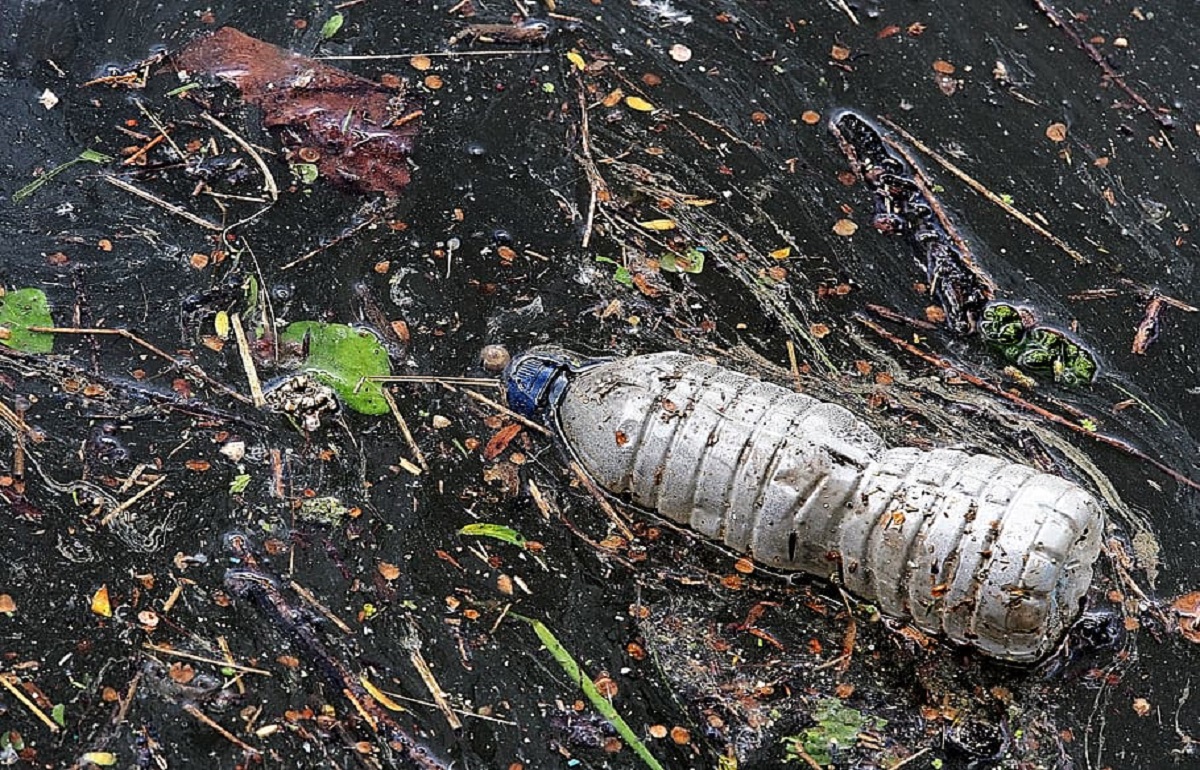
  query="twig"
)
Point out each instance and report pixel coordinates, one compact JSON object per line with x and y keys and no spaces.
{"x":268,"y":178}
{"x":201,"y":659}
{"x":145,"y":148}
{"x":470,"y":714}
{"x":964,"y":251}
{"x":909,"y":758}
{"x":605,"y":505}
{"x":223,"y":643}
{"x":189,"y":368}
{"x":800,"y":752}
{"x":435,"y":690}
{"x":108,"y":517}
{"x":1057,"y":419}
{"x":408,"y":436}
{"x":986,"y":193}
{"x":588,"y":163}
{"x":308,"y":596}
{"x":528,"y":423}
{"x":478,"y":382}
{"x":195,"y":711}
{"x":451,"y":54}
{"x":127,"y":701}
{"x":349,"y":232}
{"x":7,"y":679}
{"x":178,"y":211}
{"x":256,"y":391}
{"x":1163,"y":119}
{"x":841,"y":6}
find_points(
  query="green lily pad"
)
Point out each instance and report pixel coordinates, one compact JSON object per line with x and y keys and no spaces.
{"x":19,"y":310}
{"x":341,"y":356}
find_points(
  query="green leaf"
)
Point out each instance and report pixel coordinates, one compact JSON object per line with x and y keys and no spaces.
{"x":21,"y":309}
{"x":87,"y":156}
{"x":239,"y":483}
{"x":331,"y":27}
{"x":59,"y":714}
{"x":498,"y":531}
{"x":691,"y":262}
{"x":623,"y":276}
{"x":598,"y":701}
{"x":305,"y":173}
{"x":341,"y":356}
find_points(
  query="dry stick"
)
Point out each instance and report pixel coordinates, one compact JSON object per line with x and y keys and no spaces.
{"x":201,"y":659}
{"x":256,"y":391}
{"x":909,"y":758}
{"x":408,"y":436}
{"x":986,"y":193}
{"x":479,"y":382}
{"x":435,"y":690}
{"x":308,"y":596}
{"x":228,"y":653}
{"x":841,"y":6}
{"x":1163,"y":119}
{"x":332,"y":242}
{"x":964,"y":251}
{"x":6,"y":679}
{"x":268,"y":178}
{"x":145,"y":148}
{"x":385,"y":56}
{"x":108,"y":517}
{"x":504,"y":409}
{"x":605,"y":505}
{"x":1057,"y":419}
{"x":195,"y":711}
{"x":127,"y":701}
{"x":178,"y":211}
{"x":588,"y":163}
{"x":189,"y":368}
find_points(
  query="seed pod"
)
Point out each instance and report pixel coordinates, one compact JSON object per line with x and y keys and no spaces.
{"x":987,"y":552}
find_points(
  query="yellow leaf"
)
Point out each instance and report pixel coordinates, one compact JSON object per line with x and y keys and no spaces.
{"x":658,"y":224}
{"x":222,"y":324}
{"x":101,"y":758}
{"x":700,"y":201}
{"x":577,"y":59}
{"x":783,"y":253}
{"x":379,"y":695}
{"x":639,"y":104}
{"x":100,"y":603}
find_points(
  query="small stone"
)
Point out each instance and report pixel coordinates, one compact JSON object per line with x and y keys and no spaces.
{"x":440,"y":422}
{"x":494,"y":358}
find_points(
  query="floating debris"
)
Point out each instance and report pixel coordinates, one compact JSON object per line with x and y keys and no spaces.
{"x":358,"y":133}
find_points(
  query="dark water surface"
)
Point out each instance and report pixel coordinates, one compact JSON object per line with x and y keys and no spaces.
{"x":500,"y":150}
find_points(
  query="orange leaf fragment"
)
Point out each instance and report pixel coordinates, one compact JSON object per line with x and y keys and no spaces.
{"x":500,"y":441}
{"x":944,"y":67}
{"x":845,"y":227}
{"x":1056,"y":132}
{"x":388,"y":570}
{"x":811,"y":117}
{"x":7,"y":604}
{"x":420,"y":63}
{"x":101,"y":604}
{"x":839,"y":52}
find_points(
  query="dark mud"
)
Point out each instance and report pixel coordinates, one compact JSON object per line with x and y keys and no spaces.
{"x":500,"y":164}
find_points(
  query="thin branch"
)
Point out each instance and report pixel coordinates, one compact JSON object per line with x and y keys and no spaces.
{"x":201,"y":659}
{"x":178,"y":211}
{"x":6,"y":680}
{"x":431,"y":54}
{"x":268,"y":178}
{"x":108,"y":517}
{"x":256,"y":391}
{"x":189,"y":368}
{"x":195,"y":711}
{"x":986,"y":193}
{"x":408,"y":436}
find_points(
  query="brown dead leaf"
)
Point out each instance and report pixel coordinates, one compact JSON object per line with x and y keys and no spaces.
{"x":943,"y":67}
{"x":345,"y":117}
{"x":7,"y":604}
{"x":181,"y":673}
{"x":499,"y":442}
{"x":839,"y":52}
{"x":388,"y":570}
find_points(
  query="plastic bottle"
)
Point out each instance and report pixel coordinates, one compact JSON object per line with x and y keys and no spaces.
{"x":987,"y":552}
